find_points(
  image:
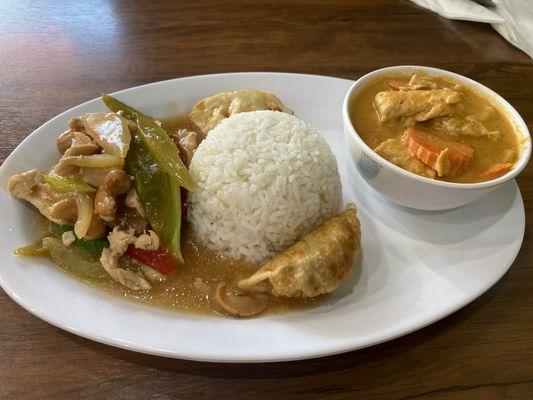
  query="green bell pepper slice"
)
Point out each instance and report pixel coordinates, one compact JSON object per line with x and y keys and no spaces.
{"x":159,"y":195}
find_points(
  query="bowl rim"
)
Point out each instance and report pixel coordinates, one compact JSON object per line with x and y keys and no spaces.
{"x":517,"y":120}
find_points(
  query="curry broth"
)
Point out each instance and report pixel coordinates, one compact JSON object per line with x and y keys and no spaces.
{"x":486,"y":151}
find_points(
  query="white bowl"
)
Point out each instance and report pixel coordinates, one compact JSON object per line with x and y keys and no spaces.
{"x":412,"y":190}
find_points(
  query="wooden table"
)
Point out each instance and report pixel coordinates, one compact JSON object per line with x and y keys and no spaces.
{"x":54,"y":55}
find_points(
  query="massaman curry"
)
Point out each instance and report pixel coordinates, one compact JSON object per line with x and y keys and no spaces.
{"x":436,"y":128}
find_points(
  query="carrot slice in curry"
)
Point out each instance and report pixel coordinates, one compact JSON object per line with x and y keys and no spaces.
{"x":495,"y":171}
{"x":437,"y":151}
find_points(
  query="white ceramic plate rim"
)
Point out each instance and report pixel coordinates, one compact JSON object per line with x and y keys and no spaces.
{"x":332,"y":348}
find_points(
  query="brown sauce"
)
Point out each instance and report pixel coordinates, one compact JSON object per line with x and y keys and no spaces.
{"x":179,"y":121}
{"x":191,"y":287}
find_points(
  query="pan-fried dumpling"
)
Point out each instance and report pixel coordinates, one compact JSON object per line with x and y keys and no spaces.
{"x":318,"y":263}
{"x":208,"y":112}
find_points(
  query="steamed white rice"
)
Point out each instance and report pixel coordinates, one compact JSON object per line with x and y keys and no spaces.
{"x":265,"y":178}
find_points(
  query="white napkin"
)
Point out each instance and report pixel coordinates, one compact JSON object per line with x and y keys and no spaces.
{"x":513,"y":19}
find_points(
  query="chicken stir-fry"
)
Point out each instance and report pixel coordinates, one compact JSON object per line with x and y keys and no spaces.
{"x":116,"y":189}
{"x":63,"y":195}
{"x":90,"y":197}
{"x":116,"y":198}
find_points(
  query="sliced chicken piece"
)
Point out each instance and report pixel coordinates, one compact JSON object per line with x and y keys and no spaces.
{"x":61,"y":208}
{"x":133,"y":201}
{"x":318,"y":263}
{"x":421,"y":105}
{"x":187,"y":142}
{"x":393,"y":151}
{"x":109,"y":130}
{"x":208,"y":112}
{"x":22,"y":185}
{"x":119,"y":240}
{"x":439,"y":152}
{"x":468,"y":126}
{"x":127,"y":278}
{"x":68,"y":238}
{"x":30,"y":187}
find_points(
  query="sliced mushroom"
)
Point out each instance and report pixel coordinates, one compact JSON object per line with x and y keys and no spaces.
{"x":85,"y":149}
{"x":75,"y":123}
{"x":70,"y":138}
{"x":239,"y":304}
{"x":64,"y":169}
{"x":71,"y":144}
{"x":116,"y":183}
{"x":65,"y":209}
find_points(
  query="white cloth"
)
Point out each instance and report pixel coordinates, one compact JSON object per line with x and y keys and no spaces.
{"x":513,"y":19}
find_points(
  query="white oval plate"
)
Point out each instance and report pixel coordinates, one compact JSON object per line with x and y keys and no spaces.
{"x":415,"y":267}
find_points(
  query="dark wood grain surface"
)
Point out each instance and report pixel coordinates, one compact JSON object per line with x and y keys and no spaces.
{"x":57,"y":54}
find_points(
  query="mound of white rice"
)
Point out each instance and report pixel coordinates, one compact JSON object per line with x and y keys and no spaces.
{"x":265,"y":178}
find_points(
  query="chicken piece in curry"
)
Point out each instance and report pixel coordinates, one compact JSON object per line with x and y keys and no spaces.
{"x":436,"y":128}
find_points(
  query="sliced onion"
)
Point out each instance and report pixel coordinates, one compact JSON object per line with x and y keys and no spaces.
{"x":85,"y":215}
{"x":94,"y":161}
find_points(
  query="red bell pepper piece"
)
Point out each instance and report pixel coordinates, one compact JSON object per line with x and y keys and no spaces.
{"x":160,"y":260}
